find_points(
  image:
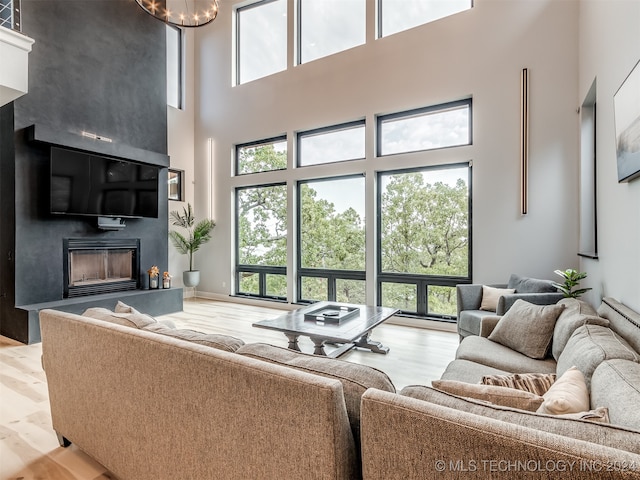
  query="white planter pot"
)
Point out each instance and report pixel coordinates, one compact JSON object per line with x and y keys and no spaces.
{"x":191,"y":278}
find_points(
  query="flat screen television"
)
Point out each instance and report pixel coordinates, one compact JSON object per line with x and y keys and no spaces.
{"x":86,"y":184}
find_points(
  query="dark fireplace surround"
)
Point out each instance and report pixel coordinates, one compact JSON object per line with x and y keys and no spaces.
{"x":93,"y":267}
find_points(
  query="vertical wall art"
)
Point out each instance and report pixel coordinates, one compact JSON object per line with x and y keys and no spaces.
{"x":626,"y":103}
{"x":524,"y":142}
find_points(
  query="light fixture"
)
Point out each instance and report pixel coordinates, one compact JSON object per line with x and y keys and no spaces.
{"x":181,"y":13}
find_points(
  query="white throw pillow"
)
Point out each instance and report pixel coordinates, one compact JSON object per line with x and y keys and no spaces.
{"x":491,"y":295}
{"x":568,"y":394}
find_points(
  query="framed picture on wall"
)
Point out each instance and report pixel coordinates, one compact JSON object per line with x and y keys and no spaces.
{"x":626,"y":105}
{"x":176,"y":184}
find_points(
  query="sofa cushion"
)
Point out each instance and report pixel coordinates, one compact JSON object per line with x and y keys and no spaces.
{"x":575,"y":314}
{"x":355,"y":378}
{"x":568,"y":394}
{"x":468,"y":371}
{"x":484,"y":351}
{"x":507,"y":397}
{"x":616,"y":385}
{"x":469,"y":321}
{"x":221,"y":342}
{"x":601,"y":434}
{"x":530,"y":285}
{"x":490,"y":296}
{"x":122,"y":307}
{"x":589,"y":346}
{"x":134,"y":320}
{"x":537,"y":383}
{"x":527,"y":328}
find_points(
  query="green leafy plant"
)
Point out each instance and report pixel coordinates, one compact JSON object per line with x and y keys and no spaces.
{"x":197,"y":233}
{"x":571,"y":279}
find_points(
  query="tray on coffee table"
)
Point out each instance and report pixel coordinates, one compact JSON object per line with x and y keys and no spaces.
{"x":332,"y":313}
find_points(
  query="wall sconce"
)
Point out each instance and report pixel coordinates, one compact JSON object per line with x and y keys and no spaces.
{"x":524,"y":142}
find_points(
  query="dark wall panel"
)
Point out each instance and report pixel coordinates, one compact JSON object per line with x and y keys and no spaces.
{"x":97,"y":66}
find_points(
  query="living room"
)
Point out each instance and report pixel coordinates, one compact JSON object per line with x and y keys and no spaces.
{"x":476,"y":54}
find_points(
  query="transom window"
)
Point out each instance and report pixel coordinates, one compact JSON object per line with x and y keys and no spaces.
{"x":447,"y":125}
{"x":261,"y":39}
{"x":326,"y":27}
{"x":397,"y":15}
{"x":261,"y":156}
{"x":332,"y":144}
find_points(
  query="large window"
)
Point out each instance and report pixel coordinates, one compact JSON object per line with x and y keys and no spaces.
{"x":332,"y":144}
{"x":261,"y":239}
{"x":329,"y":26}
{"x":398,"y":15}
{"x":331,"y":236}
{"x":261,"y":156}
{"x":424,"y":238}
{"x":261,"y":39}
{"x":447,"y":125}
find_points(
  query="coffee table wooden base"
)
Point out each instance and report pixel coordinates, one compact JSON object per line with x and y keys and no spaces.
{"x":362,"y":342}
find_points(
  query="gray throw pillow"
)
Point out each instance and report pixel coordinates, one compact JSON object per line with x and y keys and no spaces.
{"x":221,"y":342}
{"x":575,"y":314}
{"x":530,"y":285}
{"x":527,"y":328}
{"x":134,"y":320}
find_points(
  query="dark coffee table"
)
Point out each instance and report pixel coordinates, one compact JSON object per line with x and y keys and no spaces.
{"x":351,"y":331}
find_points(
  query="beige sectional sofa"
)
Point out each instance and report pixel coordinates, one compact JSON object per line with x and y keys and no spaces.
{"x":154,"y":402}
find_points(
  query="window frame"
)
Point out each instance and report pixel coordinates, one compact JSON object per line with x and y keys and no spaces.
{"x":261,"y":270}
{"x":181,"y":67}
{"x":422,"y":281}
{"x":330,"y":274}
{"x":319,"y":131}
{"x":266,"y":141}
{"x":237,"y":13}
{"x":380,"y":119}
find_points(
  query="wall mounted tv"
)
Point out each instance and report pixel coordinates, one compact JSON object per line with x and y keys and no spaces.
{"x":86,"y":184}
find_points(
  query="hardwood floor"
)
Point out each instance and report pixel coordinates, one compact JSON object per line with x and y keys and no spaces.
{"x":29,"y":449}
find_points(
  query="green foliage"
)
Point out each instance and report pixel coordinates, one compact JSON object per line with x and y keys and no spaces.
{"x":571,"y":279}
{"x":197,"y":233}
{"x":424,"y":231}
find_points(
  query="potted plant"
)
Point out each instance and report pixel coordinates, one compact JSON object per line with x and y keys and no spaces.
{"x":197,"y":235}
{"x":571,"y":279}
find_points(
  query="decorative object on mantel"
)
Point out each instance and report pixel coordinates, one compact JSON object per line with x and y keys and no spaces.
{"x":166,"y":280}
{"x":182,"y":13}
{"x":571,"y":279}
{"x":154,"y":281}
{"x":197,"y":235}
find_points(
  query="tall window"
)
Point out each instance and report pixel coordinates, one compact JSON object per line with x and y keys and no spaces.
{"x":439,"y":126}
{"x":329,"y":26}
{"x":424,"y":231}
{"x":261,"y":39}
{"x":398,"y":15}
{"x":331,"y":144}
{"x":331,"y":239}
{"x":174,"y":67}
{"x":261,"y":156}
{"x":261,"y":239}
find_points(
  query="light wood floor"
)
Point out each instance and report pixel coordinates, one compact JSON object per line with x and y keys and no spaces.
{"x":28,"y":446}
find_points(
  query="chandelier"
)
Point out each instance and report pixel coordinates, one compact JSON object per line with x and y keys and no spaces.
{"x":181,"y":13}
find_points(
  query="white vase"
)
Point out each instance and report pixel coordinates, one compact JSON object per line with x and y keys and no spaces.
{"x":191,"y":278}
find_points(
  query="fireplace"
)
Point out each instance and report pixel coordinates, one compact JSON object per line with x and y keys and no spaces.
{"x":100,"y":266}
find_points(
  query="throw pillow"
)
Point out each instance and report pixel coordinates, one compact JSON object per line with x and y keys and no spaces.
{"x":122,"y":307}
{"x":530,"y":285}
{"x":506,"y":397}
{"x":537,"y":383}
{"x":599,"y":415}
{"x":576,"y":313}
{"x":135,"y":320}
{"x":568,"y":394}
{"x":221,"y":342}
{"x":490,"y":296}
{"x":527,"y":328}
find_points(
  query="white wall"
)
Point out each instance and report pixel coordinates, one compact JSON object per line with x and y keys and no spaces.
{"x":180,"y":145}
{"x":478,"y":53}
{"x":609,"y":48}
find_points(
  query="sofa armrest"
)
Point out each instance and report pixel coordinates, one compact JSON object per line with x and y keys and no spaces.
{"x":505,"y":302}
{"x":403,"y":438}
{"x":469,"y":295}
{"x":487,"y":324}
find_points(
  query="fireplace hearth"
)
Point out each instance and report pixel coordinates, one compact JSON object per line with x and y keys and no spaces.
{"x":93,"y":267}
